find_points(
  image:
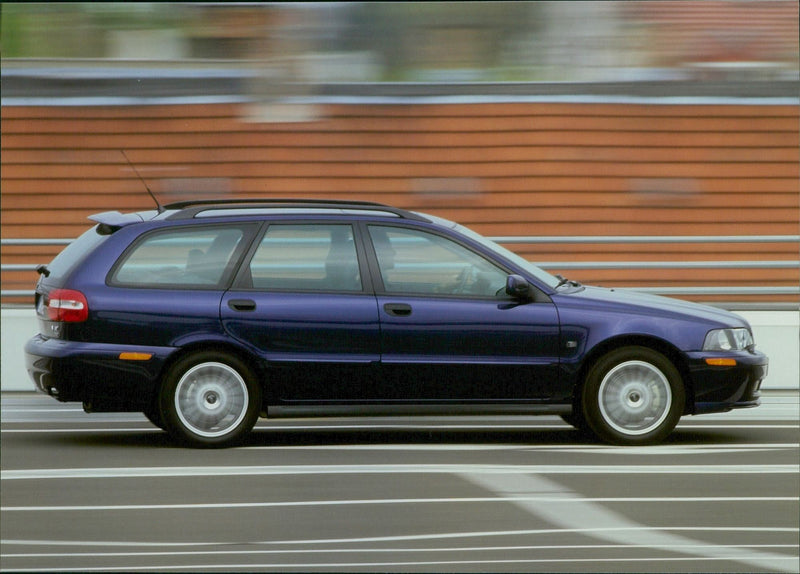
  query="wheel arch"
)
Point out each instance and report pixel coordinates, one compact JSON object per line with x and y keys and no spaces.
{"x":672,"y":353}
{"x":243,"y":355}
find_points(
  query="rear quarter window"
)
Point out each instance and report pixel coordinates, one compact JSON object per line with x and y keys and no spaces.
{"x":187,"y":257}
{"x":69,"y":259}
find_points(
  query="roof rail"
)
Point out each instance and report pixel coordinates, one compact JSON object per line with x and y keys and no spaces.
{"x":190,"y":209}
{"x":221,"y":202}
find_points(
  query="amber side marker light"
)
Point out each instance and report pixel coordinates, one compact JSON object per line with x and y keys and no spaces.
{"x":721,"y":362}
{"x":135,"y":356}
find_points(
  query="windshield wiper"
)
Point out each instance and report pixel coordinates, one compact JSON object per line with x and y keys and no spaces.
{"x":563,"y":281}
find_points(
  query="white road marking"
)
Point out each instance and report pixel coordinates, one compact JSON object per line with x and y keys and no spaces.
{"x":169,"y":471}
{"x":522,"y":427}
{"x":605,"y":522}
{"x":402,"y":538}
{"x":705,"y":448}
{"x":787,"y":564}
{"x":380,"y":501}
{"x":408,"y":550}
{"x":96,"y":430}
{"x":12,"y":410}
{"x":668,"y":450}
{"x":601,"y":449}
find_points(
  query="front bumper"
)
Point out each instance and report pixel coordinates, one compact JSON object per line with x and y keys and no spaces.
{"x":723,"y":388}
{"x":93,"y":373}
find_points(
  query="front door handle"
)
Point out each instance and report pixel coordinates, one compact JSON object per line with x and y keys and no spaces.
{"x":242,"y":304}
{"x":397,"y":309}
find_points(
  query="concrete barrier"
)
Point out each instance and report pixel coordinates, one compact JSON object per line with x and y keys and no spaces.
{"x":777,"y":333}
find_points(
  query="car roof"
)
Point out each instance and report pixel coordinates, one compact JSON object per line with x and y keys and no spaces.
{"x":111,"y":221}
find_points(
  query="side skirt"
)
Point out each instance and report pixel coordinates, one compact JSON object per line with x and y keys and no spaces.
{"x":333,"y":410}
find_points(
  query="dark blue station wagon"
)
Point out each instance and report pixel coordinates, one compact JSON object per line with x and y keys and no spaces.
{"x":206,"y":315}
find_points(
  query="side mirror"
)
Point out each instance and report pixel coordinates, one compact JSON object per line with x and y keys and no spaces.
{"x":518,"y":287}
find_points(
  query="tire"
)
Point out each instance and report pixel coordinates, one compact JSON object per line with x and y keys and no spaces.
{"x":633,"y":396}
{"x":210,"y":399}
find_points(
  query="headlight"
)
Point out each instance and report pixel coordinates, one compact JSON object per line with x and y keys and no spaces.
{"x":728,"y":340}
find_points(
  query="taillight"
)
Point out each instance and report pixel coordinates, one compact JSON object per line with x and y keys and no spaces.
{"x":67,"y":306}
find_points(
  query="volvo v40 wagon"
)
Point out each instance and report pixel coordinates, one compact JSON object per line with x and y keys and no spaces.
{"x":206,"y":315}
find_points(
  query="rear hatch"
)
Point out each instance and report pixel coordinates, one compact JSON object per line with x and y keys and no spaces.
{"x":57,"y":305}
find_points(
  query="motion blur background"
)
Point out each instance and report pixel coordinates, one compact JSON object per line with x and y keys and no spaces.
{"x":633,"y":144}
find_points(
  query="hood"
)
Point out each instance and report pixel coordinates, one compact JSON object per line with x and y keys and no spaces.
{"x":634,"y":302}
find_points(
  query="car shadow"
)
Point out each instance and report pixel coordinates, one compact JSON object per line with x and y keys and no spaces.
{"x":523,"y":437}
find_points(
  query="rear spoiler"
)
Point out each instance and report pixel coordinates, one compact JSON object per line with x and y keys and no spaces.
{"x":111,"y":221}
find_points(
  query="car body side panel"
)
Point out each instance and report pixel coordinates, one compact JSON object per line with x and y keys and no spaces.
{"x":463,"y":349}
{"x":319,"y":346}
{"x":93,"y":373}
{"x":159,"y":317}
{"x":594,"y":317}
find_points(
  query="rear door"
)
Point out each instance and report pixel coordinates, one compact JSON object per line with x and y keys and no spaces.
{"x":166,"y":287}
{"x":302,"y":302}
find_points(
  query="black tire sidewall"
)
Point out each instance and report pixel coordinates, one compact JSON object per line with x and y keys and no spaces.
{"x":594,"y":378}
{"x":175,"y":426}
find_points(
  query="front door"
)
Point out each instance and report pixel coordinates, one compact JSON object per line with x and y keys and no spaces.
{"x":448,"y":330}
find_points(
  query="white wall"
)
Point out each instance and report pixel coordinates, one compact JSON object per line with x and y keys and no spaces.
{"x":777,"y":333}
{"x":16,"y":327}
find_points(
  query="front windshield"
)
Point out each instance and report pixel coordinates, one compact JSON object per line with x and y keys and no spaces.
{"x":518,"y":260}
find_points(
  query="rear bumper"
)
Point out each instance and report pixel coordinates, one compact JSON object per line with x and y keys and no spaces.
{"x":723,"y":388}
{"x":93,"y":373}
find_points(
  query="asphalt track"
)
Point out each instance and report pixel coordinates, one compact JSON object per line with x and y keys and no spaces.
{"x":469,"y":494}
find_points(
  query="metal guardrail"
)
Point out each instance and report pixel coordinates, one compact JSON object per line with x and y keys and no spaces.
{"x":648,"y":239}
{"x":776,"y":264}
{"x":23,"y":242}
{"x":595,"y":265}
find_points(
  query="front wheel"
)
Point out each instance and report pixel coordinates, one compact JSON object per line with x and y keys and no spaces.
{"x":633,"y":396}
{"x":210,"y":399}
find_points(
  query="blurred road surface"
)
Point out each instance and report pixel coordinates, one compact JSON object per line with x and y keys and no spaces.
{"x":109,"y":492}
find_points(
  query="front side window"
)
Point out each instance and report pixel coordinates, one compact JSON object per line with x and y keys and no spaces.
{"x":306,"y":257}
{"x":188,"y":257}
{"x":414,"y":261}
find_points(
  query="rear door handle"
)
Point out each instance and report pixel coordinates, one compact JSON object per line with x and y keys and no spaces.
{"x":397,"y":309}
{"x":242,"y":304}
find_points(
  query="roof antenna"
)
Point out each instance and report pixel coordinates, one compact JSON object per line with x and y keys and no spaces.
{"x":159,"y":207}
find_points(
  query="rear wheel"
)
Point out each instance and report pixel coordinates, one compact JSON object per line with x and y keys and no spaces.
{"x":210,"y":399}
{"x":632,"y":396}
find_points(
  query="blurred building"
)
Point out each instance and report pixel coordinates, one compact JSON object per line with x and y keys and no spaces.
{"x":519,"y":119}
{"x":429,"y":42}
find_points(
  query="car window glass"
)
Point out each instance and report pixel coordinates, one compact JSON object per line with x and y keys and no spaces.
{"x":413,"y":261}
{"x":75,"y":252}
{"x":306,"y":258}
{"x":181,"y":257}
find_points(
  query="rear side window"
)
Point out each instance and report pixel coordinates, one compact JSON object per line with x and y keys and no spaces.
{"x":306,"y":258}
{"x":188,"y":257}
